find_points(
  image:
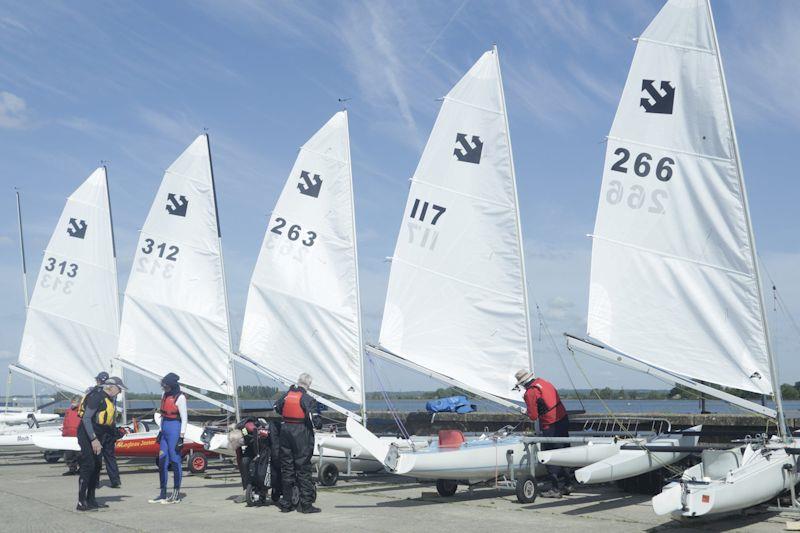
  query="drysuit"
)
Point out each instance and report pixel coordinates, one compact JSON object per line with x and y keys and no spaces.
{"x":544,"y":404}
{"x":98,"y":414}
{"x":296,"y":445}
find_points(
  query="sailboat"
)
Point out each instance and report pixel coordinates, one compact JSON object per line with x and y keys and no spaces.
{"x":175,"y":312}
{"x":71,"y":323}
{"x":456,"y":306}
{"x":675,"y":286}
{"x":303,"y":311}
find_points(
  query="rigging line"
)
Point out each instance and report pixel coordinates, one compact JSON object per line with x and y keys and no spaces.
{"x":779,"y":297}
{"x":392,"y":411}
{"x":543,"y":326}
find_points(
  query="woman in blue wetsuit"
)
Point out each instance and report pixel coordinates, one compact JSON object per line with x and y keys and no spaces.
{"x":173,"y":427}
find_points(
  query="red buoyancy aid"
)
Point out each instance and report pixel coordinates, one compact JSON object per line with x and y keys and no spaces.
{"x":169,"y":407}
{"x":292,"y":410}
{"x":71,"y":422}
{"x":542,"y":399}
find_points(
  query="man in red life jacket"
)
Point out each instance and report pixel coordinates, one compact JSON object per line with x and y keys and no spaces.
{"x":69,"y":428}
{"x":297,"y":445}
{"x":544,"y":405}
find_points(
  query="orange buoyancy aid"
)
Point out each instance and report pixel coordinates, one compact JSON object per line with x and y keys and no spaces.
{"x":292,"y":410}
{"x":544,"y":403}
{"x":169,"y":407}
{"x":71,"y":422}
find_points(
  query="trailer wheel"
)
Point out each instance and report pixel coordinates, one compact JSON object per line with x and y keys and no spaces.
{"x":446,"y":487}
{"x":197,"y":463}
{"x":328,"y":475}
{"x":52,"y":456}
{"x":526,"y":489}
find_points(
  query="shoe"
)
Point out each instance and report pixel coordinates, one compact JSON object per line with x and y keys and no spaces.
{"x":70,"y":473}
{"x":116,"y":485}
{"x":175,"y":497}
{"x":83,"y":506}
{"x":309,"y":510}
{"x":94,"y":504}
{"x":240,"y":499}
{"x":551,"y":493}
{"x":287,"y":509}
{"x":161,"y":498}
{"x":567,"y":489}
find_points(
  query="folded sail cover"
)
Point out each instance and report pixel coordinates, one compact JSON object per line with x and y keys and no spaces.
{"x":72,"y":322}
{"x":673,"y":281}
{"x":302,"y":311}
{"x":456,"y":297}
{"x":174,"y":317}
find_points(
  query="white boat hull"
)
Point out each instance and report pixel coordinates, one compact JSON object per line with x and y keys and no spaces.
{"x":580,"y":456}
{"x":630,"y":463}
{"x":26,"y":436}
{"x":13,"y":419}
{"x":474,"y":461}
{"x":760,"y":478}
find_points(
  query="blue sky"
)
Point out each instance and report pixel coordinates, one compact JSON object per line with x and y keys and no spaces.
{"x":133,"y":83}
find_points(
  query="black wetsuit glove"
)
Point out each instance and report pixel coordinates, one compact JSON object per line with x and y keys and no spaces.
{"x":179,"y":445}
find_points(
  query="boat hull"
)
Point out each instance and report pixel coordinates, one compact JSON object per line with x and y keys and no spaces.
{"x":580,"y":456}
{"x":760,"y":478}
{"x":630,"y":463}
{"x":25,"y":436}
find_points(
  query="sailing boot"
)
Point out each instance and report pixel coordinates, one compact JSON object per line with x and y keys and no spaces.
{"x":309,"y":509}
{"x":83,"y":505}
{"x":161,"y":498}
{"x":92,"y":502}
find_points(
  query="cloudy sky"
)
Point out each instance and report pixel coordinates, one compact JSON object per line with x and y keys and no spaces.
{"x":133,"y":83}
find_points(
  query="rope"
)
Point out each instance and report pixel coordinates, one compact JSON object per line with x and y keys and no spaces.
{"x":544,"y":327}
{"x":389,"y":404}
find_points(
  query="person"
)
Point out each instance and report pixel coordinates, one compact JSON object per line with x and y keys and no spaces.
{"x":108,"y":441}
{"x":243,"y":440}
{"x":69,"y":428}
{"x":100,"y":378}
{"x":170,"y":438}
{"x":98,"y":418}
{"x":297,"y":445}
{"x":544,"y":404}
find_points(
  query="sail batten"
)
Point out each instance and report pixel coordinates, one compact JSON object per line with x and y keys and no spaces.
{"x":303,"y":312}
{"x":456,"y":302}
{"x":673,"y":279}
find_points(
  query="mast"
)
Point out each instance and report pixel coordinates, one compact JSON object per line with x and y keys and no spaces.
{"x":516,"y":207}
{"x":22,"y":250}
{"x":361,"y":353}
{"x":231,"y":363}
{"x":116,"y":292}
{"x":773,"y":370}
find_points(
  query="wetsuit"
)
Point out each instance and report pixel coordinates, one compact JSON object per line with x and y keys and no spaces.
{"x":173,"y":427}
{"x":97,"y":412}
{"x":544,"y":404}
{"x":297,"y":445}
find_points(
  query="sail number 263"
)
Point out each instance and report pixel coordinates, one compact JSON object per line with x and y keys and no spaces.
{"x":293,"y":232}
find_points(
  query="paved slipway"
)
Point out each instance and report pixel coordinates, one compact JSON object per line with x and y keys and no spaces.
{"x":34,"y":496}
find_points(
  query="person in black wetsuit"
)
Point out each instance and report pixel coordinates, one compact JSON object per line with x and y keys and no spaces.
{"x":297,"y":445}
{"x":109,"y":442}
{"x":98,"y":419}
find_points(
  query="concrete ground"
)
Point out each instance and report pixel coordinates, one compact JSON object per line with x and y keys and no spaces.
{"x":34,"y":496}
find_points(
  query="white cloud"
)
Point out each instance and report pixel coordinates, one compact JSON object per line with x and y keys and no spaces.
{"x":13,"y":111}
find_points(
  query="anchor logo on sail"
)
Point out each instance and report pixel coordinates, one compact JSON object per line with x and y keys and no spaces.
{"x":308,"y":185}
{"x":177,"y":206}
{"x":466,"y":152}
{"x":76,"y":229}
{"x":658,"y":101}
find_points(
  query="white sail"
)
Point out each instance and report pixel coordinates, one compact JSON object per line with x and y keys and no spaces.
{"x":456,"y":301}
{"x":174,"y":317}
{"x":302,"y":312}
{"x":72,"y":321}
{"x":674,"y":281}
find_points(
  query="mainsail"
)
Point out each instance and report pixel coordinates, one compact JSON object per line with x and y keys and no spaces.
{"x":72,"y":321}
{"x":175,"y":315}
{"x":303,"y":311}
{"x":456,"y":302}
{"x":674,"y":280}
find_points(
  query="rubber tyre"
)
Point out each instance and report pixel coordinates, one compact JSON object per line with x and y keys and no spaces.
{"x":526,"y":489}
{"x":446,"y":487}
{"x":328,"y":475}
{"x":295,"y":496}
{"x":197,"y":463}
{"x":52,"y":457}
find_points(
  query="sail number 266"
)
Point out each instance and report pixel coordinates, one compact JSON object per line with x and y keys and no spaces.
{"x":638,"y":196}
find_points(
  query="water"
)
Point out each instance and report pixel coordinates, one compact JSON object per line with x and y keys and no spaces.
{"x":590,"y":406}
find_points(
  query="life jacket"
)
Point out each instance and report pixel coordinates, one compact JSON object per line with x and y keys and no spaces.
{"x":106,"y":414}
{"x":71,"y":422}
{"x":292,"y":410}
{"x":548,"y":403}
{"x":169,"y":406}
